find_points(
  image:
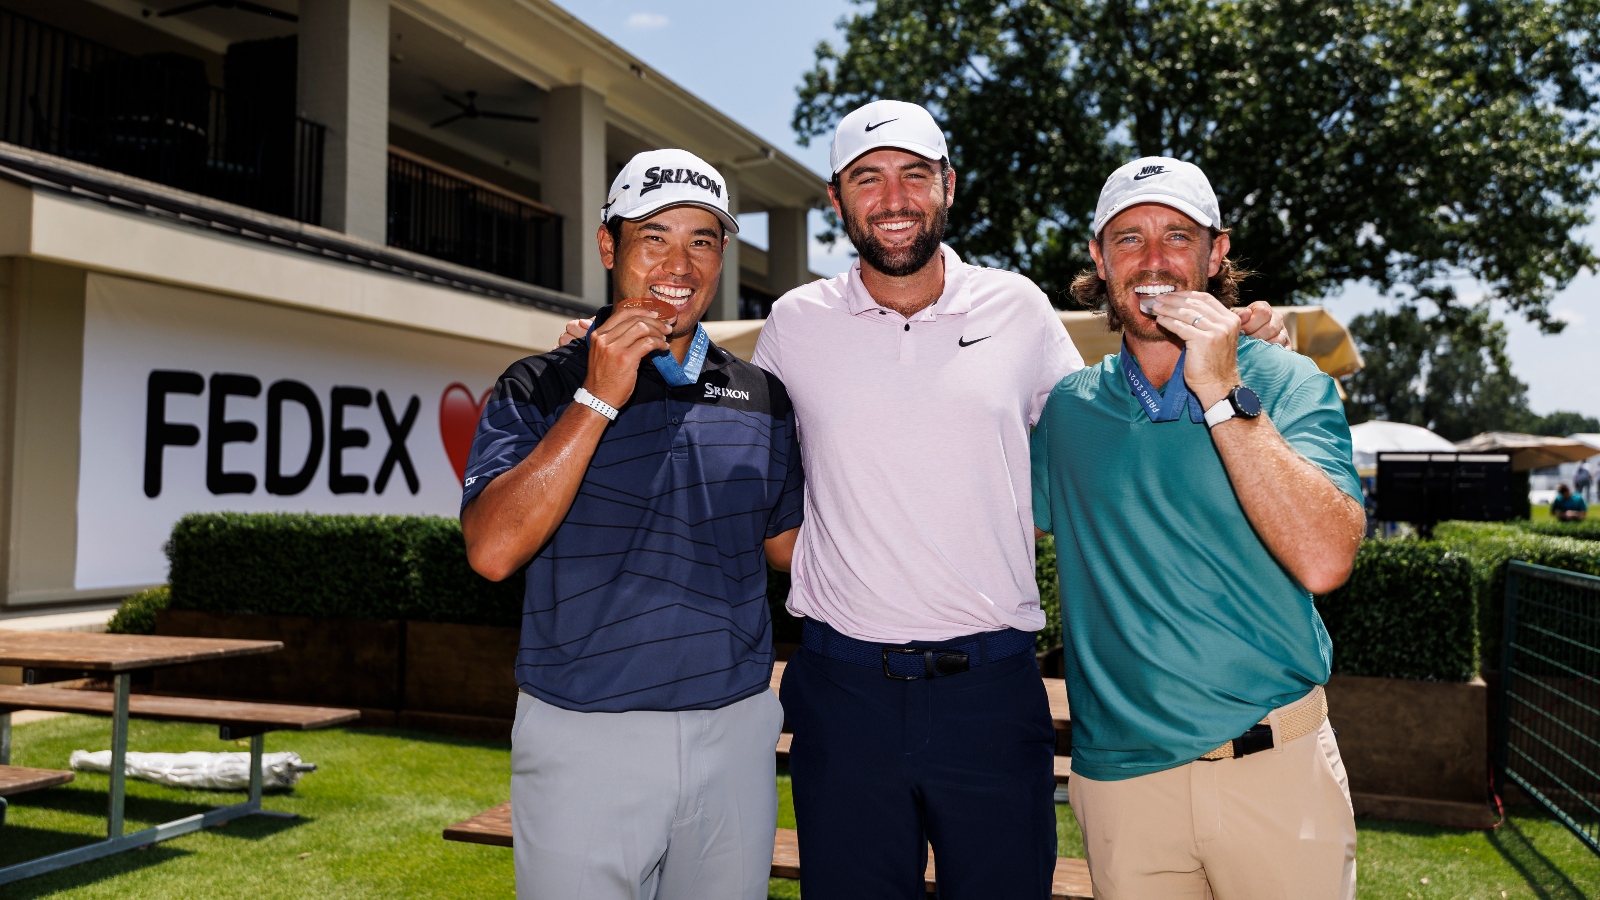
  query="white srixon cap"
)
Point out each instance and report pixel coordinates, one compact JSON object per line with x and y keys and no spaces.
{"x":1158,"y":179}
{"x":656,"y":179}
{"x":887,"y":123}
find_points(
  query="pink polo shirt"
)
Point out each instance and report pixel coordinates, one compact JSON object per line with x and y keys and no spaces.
{"x":914,"y":434}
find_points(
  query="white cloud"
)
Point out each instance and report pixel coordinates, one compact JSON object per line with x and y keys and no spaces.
{"x":646,"y":21}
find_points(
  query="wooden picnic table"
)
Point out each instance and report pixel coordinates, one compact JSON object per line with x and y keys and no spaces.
{"x":120,"y":655}
{"x":118,"y":652}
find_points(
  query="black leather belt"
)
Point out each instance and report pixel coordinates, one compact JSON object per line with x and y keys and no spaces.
{"x":931,"y":659}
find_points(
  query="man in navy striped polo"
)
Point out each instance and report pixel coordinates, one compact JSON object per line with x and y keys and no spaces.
{"x":646,"y":478}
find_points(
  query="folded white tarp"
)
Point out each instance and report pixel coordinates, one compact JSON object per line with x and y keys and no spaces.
{"x":208,"y":771}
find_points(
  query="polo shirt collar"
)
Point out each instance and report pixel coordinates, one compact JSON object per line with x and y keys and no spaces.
{"x":956,"y":300}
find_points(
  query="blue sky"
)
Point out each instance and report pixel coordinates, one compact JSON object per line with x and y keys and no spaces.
{"x":746,"y":58}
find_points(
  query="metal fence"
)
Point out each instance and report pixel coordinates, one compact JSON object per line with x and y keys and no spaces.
{"x":453,"y":217}
{"x":155,"y":116}
{"x":1549,"y":730}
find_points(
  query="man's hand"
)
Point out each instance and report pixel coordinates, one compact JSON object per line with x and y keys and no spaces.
{"x":1210,"y":333}
{"x":1259,"y":320}
{"x":576,"y":330}
{"x":615,"y":349}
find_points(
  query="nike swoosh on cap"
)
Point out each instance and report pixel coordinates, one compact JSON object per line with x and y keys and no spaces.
{"x":963,"y":342}
{"x":1143,"y":175}
{"x":881,"y":124}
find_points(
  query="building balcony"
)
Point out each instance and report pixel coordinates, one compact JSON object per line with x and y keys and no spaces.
{"x":157,"y":116}
{"x":459,"y":218}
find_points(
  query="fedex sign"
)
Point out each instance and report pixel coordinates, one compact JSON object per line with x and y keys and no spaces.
{"x":194,"y":402}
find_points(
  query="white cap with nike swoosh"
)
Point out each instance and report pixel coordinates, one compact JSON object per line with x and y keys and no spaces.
{"x":887,"y":123}
{"x":1158,"y":179}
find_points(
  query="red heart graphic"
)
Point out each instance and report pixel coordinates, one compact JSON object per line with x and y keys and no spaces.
{"x":458,"y":422}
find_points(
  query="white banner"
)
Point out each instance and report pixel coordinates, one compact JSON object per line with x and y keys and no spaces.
{"x":195,"y":402}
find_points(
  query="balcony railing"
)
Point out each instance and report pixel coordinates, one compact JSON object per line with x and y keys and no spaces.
{"x":452,"y":216}
{"x":158,"y":117}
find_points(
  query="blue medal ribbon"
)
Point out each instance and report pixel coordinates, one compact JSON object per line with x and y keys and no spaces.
{"x":1161,"y":407}
{"x":688,"y":372}
{"x":676,"y":374}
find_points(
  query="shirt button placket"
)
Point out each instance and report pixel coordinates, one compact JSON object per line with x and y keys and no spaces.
{"x":680,"y":441}
{"x":908,"y":347}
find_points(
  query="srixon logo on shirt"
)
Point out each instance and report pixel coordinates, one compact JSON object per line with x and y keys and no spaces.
{"x":285,"y":397}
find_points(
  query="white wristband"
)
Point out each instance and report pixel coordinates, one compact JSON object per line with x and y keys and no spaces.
{"x":1220,"y":411}
{"x":595,"y":403}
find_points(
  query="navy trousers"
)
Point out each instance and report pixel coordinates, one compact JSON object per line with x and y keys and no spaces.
{"x":882,"y":768}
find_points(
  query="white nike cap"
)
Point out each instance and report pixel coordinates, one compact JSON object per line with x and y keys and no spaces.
{"x":1158,"y":179}
{"x":656,"y":179}
{"x":887,"y":123}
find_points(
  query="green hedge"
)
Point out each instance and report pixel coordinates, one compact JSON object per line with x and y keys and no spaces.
{"x":1490,"y":546}
{"x":1406,"y":612}
{"x":351,"y":567}
{"x":1049,"y":637}
{"x":1585,"y":530}
{"x":137,"y":614}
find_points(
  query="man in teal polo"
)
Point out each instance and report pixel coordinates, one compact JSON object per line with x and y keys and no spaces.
{"x":1200,"y":489}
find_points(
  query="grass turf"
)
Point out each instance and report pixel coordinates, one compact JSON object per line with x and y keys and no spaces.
{"x":370,"y":821}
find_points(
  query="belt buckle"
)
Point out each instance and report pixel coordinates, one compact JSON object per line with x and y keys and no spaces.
{"x":904,"y":651}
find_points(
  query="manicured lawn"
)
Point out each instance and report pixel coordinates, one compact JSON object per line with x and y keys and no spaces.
{"x":370,"y":821}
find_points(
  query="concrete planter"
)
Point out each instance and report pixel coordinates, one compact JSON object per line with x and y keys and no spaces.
{"x":1415,"y":750}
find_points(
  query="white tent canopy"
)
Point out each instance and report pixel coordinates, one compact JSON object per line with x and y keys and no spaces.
{"x":1371,"y":438}
{"x":1590,"y":438}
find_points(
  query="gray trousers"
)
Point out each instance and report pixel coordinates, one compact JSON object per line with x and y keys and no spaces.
{"x":644,"y":805}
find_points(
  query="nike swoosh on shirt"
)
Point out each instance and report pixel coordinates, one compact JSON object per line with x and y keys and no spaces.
{"x":881,"y":124}
{"x":963,"y":342}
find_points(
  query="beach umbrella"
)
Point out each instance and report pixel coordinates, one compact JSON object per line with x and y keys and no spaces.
{"x":1528,"y":451}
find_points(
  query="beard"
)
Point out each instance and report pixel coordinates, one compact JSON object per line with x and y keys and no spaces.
{"x":902,"y":262}
{"x":1122,"y":306}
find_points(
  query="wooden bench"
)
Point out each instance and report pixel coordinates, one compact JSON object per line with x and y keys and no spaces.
{"x":493,"y":828}
{"x":235,"y":719}
{"x":20,"y":780}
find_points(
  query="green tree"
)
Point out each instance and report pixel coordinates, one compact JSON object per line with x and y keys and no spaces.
{"x":1562,"y":423}
{"x":1448,"y":372}
{"x":1400,"y":141}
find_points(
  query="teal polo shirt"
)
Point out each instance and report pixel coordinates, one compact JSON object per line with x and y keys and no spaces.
{"x":1181,"y":629}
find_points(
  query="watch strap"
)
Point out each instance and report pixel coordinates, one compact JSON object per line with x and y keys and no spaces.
{"x":595,"y":403}
{"x":1219,"y":412}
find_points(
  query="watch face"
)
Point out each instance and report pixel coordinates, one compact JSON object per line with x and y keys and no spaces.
{"x":1245,"y":402}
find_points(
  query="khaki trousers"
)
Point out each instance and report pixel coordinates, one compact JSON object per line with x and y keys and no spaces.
{"x":1273,"y":825}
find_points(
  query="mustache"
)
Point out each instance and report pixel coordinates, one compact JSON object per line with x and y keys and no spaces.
{"x":886,"y":215}
{"x":1158,"y":276}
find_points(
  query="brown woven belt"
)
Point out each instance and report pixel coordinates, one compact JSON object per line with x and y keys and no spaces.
{"x":1296,"y":720}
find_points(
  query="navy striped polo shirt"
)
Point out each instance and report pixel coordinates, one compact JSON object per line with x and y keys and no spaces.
{"x":652,"y":593}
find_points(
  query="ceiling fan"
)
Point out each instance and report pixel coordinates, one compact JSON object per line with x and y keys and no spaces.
{"x":470,"y":110}
{"x":240,"y":5}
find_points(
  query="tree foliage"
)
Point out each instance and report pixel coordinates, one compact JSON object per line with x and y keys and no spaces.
{"x":1449,"y":373}
{"x":1400,"y":141}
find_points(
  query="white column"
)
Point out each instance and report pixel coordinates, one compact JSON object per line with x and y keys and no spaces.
{"x":344,"y":85}
{"x":726,"y":306}
{"x":574,"y":181}
{"x":788,"y":250}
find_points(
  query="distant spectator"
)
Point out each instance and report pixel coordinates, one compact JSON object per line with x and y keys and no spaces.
{"x":1582,"y":480}
{"x":1567,"y":506}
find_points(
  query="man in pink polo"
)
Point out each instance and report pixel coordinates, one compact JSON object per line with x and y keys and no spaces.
{"x":917,"y":709}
